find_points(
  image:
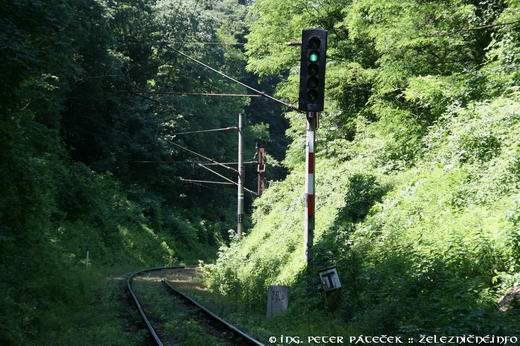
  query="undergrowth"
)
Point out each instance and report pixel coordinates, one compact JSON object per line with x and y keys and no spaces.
{"x":428,"y":249}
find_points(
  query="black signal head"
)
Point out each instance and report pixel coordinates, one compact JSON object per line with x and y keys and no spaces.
{"x":312,"y":70}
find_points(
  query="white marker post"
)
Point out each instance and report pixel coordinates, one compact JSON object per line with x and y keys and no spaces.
{"x":277,"y":300}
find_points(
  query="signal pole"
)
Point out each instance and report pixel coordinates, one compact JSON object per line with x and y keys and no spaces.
{"x":312,"y":96}
{"x":312,"y":118}
{"x":240,"y":199}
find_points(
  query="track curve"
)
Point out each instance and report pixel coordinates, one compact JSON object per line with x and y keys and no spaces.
{"x":244,"y":338}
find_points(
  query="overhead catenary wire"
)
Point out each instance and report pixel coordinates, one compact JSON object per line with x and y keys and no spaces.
{"x":204,"y":157}
{"x":203,"y":131}
{"x":217,"y":43}
{"x":220,"y":175}
{"x":181,"y":93}
{"x":238,"y":82}
{"x":226,"y":178}
{"x":209,"y":187}
{"x":192,"y":162}
{"x":205,"y":181}
{"x":143,"y":94}
{"x":492,"y":25}
{"x":227,"y":163}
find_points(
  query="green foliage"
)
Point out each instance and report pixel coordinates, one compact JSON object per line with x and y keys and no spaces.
{"x":418,"y":169}
{"x":275,"y":257}
{"x":82,"y":105}
{"x":417,"y":177}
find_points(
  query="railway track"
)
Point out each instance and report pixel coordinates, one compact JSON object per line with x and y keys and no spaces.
{"x":220,"y":327}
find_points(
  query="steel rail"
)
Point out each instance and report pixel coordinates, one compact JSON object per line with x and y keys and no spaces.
{"x":237,"y":332}
{"x":224,"y":324}
{"x":145,"y":319}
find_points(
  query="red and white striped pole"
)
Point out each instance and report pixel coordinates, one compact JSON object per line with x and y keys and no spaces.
{"x":312,"y":122}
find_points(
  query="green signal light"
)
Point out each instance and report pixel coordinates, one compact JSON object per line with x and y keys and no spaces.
{"x":313,"y":57}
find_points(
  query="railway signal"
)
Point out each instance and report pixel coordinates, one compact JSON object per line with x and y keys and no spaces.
{"x":312,"y":95}
{"x":312,"y":70}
